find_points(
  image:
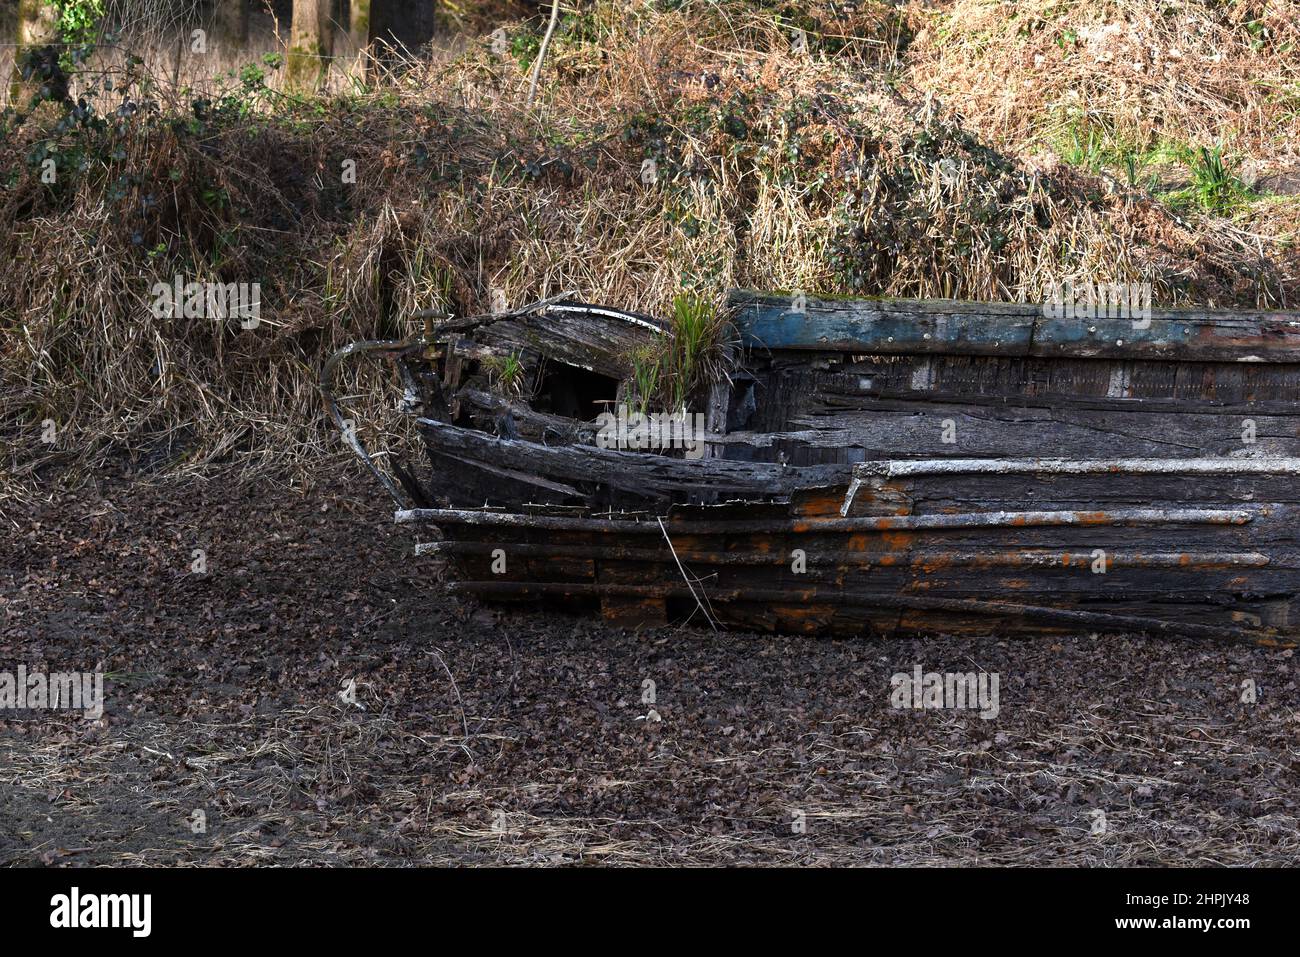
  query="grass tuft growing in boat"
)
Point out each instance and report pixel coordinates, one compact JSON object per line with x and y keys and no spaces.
{"x":675,"y":372}
{"x":702,"y":351}
{"x":506,"y":375}
{"x":647,"y":375}
{"x":695,"y":353}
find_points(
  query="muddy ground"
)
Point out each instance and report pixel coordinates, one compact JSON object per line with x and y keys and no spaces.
{"x":479,"y":736}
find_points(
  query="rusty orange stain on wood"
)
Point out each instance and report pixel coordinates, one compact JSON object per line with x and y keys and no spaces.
{"x":803,"y":614}
{"x":821,"y":504}
{"x":1278,"y":642}
{"x":1092,"y":518}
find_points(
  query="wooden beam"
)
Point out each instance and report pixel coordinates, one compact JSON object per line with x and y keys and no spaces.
{"x":634,"y":473}
{"x":951,"y":327}
{"x":929,"y":559}
{"x":1068,"y":617}
{"x":882,"y":523}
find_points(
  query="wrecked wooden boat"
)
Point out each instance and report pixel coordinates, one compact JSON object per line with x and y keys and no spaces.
{"x":870,"y":467}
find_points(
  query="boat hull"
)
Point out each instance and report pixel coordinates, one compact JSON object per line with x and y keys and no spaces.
{"x":876,"y":467}
{"x":1042,"y":552}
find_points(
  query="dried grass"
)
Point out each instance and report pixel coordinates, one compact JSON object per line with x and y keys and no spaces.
{"x":1191,"y":71}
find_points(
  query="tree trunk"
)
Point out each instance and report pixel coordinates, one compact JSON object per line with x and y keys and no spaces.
{"x":230,"y":23}
{"x":310,"y":44}
{"x":357,"y":50}
{"x":402,"y":25}
{"x":37,"y":23}
{"x":37,"y":27}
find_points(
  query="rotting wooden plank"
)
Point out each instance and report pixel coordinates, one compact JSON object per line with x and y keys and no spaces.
{"x":904,"y":468}
{"x":938,"y":327}
{"x":1134,"y":577}
{"x":803,"y":597}
{"x":964,"y":493}
{"x":934,"y":430}
{"x":928,"y":559}
{"x":881,"y":523}
{"x":589,"y":337}
{"x":860,"y":381}
{"x":1272,"y":533}
{"x":1242,"y":465}
{"x":638,"y":474}
{"x":626,"y":610}
{"x":529,"y":423}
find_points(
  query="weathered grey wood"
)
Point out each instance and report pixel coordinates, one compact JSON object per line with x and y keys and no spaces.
{"x":589,"y":337}
{"x":1052,"y":466}
{"x":901,"y":430}
{"x":637,"y":474}
{"x":946,"y":493}
{"x":1118,"y":470}
{"x":992,"y":610}
{"x":849,"y":382}
{"x":882,"y":523}
{"x":937,"y":327}
{"x":530,"y":424}
{"x":927,"y":558}
{"x":1096,"y":383}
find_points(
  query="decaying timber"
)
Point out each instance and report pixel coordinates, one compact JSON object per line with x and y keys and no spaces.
{"x":877,"y":466}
